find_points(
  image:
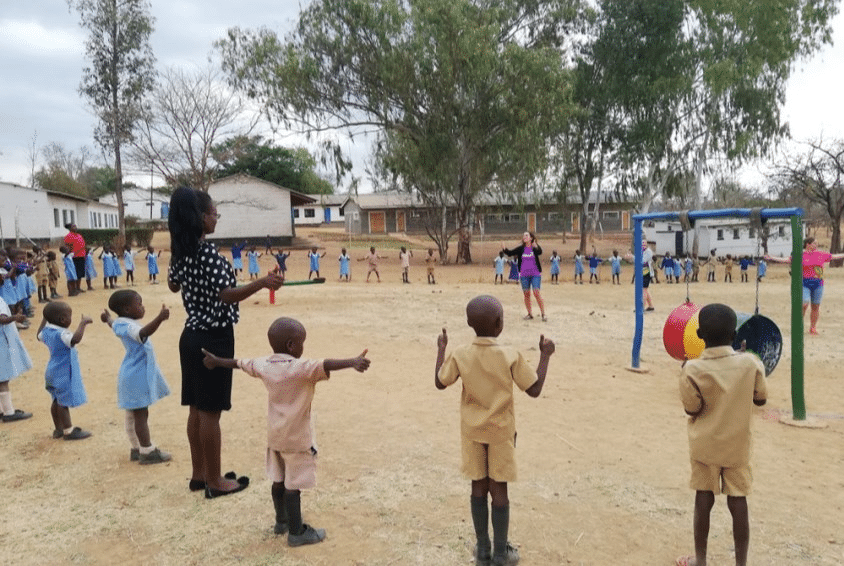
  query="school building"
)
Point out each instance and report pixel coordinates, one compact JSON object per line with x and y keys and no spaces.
{"x":35,"y":215}
{"x":726,"y":236}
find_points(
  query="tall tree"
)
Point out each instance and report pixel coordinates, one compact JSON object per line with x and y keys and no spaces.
{"x":120,"y":70}
{"x":457,"y":91}
{"x":291,"y":168}
{"x":183,"y":117}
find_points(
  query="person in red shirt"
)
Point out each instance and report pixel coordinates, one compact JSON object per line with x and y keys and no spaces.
{"x":76,"y":243}
{"x":813,"y":260}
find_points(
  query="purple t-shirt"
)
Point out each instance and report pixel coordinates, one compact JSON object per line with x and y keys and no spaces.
{"x":528,"y":263}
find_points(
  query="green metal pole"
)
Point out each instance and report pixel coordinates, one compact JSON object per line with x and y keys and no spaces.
{"x":798,"y":403}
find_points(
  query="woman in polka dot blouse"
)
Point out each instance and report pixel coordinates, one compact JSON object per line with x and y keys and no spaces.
{"x":210,"y":295}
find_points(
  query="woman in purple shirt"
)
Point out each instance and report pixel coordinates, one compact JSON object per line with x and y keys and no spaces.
{"x":530,"y":271}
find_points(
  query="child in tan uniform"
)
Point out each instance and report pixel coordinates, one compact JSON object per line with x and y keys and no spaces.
{"x":718,"y":391}
{"x":488,"y":424}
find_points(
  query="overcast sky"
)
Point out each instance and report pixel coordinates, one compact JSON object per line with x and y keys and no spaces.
{"x":42,"y":55}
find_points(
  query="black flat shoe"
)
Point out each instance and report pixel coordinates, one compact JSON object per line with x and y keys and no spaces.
{"x":211,"y":493}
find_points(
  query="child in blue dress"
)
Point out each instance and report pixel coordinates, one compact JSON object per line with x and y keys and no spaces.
{"x":152,"y":264}
{"x":254,"y":269}
{"x":499,"y":262}
{"x":129,"y":265}
{"x":578,"y":267}
{"x":678,"y":269}
{"x":90,"y":270}
{"x":139,"y":381}
{"x":344,"y":260}
{"x":615,"y":262}
{"x":761,"y":269}
{"x":281,"y":259}
{"x":14,"y":359}
{"x":108,"y":268}
{"x":667,"y":265}
{"x":314,"y":256}
{"x":513,"y":276}
{"x":115,"y":263}
{"x":63,"y":377}
{"x":594,"y":262}
{"x":69,"y":271}
{"x":237,"y":257}
{"x":555,"y":268}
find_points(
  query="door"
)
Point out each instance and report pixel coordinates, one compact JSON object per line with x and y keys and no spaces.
{"x":328,"y":215}
{"x":531,"y":222}
{"x":400,"y":222}
{"x":678,"y":244}
{"x":377,"y":224}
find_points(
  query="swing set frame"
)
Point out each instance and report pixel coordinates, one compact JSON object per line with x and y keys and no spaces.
{"x":687,"y":218}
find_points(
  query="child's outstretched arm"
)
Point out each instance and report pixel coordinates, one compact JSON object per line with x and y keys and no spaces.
{"x":9,"y":319}
{"x":80,"y":330}
{"x":546,"y":348}
{"x":442,"y":342}
{"x":211,"y":361}
{"x":360,"y":364}
{"x":153,"y":325}
{"x":105,"y":316}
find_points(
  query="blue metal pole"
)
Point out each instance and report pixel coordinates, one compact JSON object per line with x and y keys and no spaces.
{"x":637,"y":266}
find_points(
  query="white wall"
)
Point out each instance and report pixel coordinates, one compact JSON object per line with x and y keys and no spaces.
{"x":319,"y":214}
{"x":251,"y":208}
{"x":136,"y":202}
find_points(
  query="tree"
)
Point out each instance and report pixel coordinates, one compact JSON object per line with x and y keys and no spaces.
{"x":818,"y":174}
{"x":461,"y":94}
{"x":291,"y":168}
{"x":121,"y":69}
{"x":183,"y":117}
{"x":68,"y":171}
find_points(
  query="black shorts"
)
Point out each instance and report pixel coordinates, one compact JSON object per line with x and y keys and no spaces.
{"x":646,"y":280}
{"x":203,"y":388}
{"x":79,"y":264}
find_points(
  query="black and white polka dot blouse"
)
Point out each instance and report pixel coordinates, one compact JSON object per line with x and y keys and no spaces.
{"x":201,"y":278}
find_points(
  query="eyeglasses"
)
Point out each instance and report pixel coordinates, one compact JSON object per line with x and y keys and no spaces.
{"x":216,"y":215}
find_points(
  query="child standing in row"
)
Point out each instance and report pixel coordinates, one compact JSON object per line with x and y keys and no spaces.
{"x":578,"y":267}
{"x":431,"y":264}
{"x":69,"y":271}
{"x":109,"y":275}
{"x":667,"y":265}
{"x":488,"y":426}
{"x":42,"y":276}
{"x":90,"y":270}
{"x":761,"y":269}
{"x":53,"y":274}
{"x":129,"y":264}
{"x":237,"y":257}
{"x":594,"y":262}
{"x":555,"y":268}
{"x":291,"y":446}
{"x":513,"y":276}
{"x":718,"y":391}
{"x":139,"y":380}
{"x":728,"y":269}
{"x":615,"y":262}
{"x":14,"y":359}
{"x":744,"y":263}
{"x":152,"y":264}
{"x":254,"y":269}
{"x":404,"y":258}
{"x":710,"y":267}
{"x":281,"y":260}
{"x":313,"y":258}
{"x":372,"y":261}
{"x":63,"y":376}
{"x":499,"y":263}
{"x":344,"y":260}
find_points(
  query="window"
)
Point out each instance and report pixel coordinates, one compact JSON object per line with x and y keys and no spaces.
{"x":310,"y":213}
{"x":341,"y":212}
{"x":512,"y":217}
{"x":735,"y":234}
{"x":610,"y":214}
{"x":494,"y":217}
{"x":719,"y":234}
{"x":781,"y":231}
{"x":295,"y":213}
{"x":64,"y":217}
{"x":56,"y":219}
{"x":751,"y":232}
{"x":553,"y":216}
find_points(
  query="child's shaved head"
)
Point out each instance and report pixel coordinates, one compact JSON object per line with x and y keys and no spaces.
{"x":58,"y":313}
{"x":287,"y":335}
{"x":717,"y":325}
{"x":485,"y":315}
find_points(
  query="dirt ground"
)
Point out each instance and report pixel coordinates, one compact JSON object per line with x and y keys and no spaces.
{"x":602,"y":454}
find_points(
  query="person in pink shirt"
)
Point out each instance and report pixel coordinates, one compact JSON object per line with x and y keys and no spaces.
{"x":530,"y":271}
{"x":291,"y":446}
{"x":813,"y":262}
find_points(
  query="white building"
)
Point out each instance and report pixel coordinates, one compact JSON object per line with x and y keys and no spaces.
{"x":252,"y":209}
{"x":326,"y":209}
{"x":144,"y":204}
{"x":39,"y":215}
{"x":726,"y":236}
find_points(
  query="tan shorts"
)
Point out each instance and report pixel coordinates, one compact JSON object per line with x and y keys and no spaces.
{"x":297,"y":470}
{"x":729,"y":481}
{"x":496,"y":461}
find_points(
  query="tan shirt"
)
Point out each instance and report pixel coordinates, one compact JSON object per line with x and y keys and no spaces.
{"x":290,"y":386}
{"x":722,"y":383}
{"x":488,"y":372}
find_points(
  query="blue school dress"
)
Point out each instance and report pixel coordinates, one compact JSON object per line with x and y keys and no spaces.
{"x":253,"y":263}
{"x":237,"y":256}
{"x":152,"y":263}
{"x":282,"y":261}
{"x":761,"y":268}
{"x":555,"y":265}
{"x":129,"y":260}
{"x":344,"y":264}
{"x":499,"y":265}
{"x":90,"y":270}
{"x":22,"y":287}
{"x":14,"y":359}
{"x":139,"y":381}
{"x":678,"y":269}
{"x":69,"y":268}
{"x":314,"y":257}
{"x":615,"y":261}
{"x":8,"y":292}
{"x":514,"y":270}
{"x":115,"y":266}
{"x":578,"y":264}
{"x":63,"y":377}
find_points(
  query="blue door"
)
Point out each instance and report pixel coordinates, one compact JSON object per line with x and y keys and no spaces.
{"x":328,"y":215}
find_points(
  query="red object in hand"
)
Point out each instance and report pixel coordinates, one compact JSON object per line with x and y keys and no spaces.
{"x":272,"y":295}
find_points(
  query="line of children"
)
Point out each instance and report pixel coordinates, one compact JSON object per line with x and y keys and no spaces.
{"x":14,"y":359}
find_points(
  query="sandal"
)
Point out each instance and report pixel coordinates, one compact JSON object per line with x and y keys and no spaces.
{"x":528,"y":317}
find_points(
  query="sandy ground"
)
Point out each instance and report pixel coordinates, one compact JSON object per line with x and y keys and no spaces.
{"x":602,"y":453}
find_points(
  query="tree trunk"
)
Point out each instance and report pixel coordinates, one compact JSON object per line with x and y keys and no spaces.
{"x":118,"y":189}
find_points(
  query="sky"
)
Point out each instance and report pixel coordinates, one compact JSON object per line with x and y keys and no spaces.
{"x":42,"y":49}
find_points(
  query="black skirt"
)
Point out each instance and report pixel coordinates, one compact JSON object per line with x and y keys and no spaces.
{"x":203,"y":388}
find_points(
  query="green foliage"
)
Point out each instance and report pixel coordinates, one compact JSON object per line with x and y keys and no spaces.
{"x":290,"y":168}
{"x":99,"y":237}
